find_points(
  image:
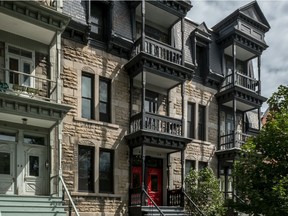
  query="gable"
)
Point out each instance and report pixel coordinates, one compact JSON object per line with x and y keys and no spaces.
{"x":253,"y":11}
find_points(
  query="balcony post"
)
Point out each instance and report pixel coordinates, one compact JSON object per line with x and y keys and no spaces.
{"x":183,"y":132}
{"x":259,"y":75}
{"x":234,"y":77}
{"x":234,"y":121}
{"x":182,"y":41}
{"x":143,"y":98}
{"x":143,"y":25}
{"x":130,"y":103}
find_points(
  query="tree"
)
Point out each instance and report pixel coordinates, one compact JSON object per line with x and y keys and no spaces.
{"x":261,"y":173}
{"x":203,"y":188}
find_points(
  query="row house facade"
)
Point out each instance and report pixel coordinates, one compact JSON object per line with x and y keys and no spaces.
{"x":108,"y":104}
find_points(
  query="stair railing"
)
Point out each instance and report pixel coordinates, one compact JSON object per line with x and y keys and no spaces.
{"x":194,"y":204}
{"x":69,"y":196}
{"x":147,"y":195}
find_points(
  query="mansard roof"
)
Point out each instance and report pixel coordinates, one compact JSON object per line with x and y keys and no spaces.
{"x":251,"y":12}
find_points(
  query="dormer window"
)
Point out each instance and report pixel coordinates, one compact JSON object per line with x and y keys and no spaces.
{"x":98,"y":18}
{"x":201,"y":39}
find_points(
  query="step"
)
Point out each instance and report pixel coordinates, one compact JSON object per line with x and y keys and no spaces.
{"x":167,"y":210}
{"x":31,"y":206}
{"x":32,"y":213}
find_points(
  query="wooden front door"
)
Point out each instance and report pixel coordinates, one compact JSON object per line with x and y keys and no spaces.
{"x":23,"y":167}
{"x":154,"y":185}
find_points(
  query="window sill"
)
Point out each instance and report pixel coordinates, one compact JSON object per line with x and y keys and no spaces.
{"x":90,"y":121}
{"x":99,"y":195}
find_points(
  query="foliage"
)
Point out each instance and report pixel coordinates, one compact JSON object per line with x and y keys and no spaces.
{"x":203,"y":188}
{"x":261,"y":172}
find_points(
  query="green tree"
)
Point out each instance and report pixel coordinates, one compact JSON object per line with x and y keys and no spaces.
{"x":261,"y":172}
{"x":203,"y":188}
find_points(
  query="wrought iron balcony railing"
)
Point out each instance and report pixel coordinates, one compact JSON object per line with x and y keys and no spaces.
{"x":156,"y":123}
{"x":241,"y":80}
{"x":27,"y":85}
{"x":159,"y":50}
{"x":227,"y":140}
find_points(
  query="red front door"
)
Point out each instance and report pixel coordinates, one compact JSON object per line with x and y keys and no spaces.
{"x":154,"y":185}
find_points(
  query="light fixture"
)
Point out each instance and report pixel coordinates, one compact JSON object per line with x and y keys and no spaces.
{"x":24,"y":121}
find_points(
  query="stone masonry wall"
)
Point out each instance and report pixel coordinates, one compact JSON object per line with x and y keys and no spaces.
{"x":79,"y":131}
{"x":197,"y":150}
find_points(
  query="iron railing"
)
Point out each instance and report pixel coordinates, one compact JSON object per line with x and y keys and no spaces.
{"x":28,"y":85}
{"x":69,"y":197}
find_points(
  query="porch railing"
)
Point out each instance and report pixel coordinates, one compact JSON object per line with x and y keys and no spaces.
{"x":159,"y":50}
{"x":177,"y":197}
{"x":157,"y":123}
{"x":69,"y":197}
{"x":227,"y":140}
{"x":27,"y":85}
{"x":138,"y":198}
{"x":241,"y":80}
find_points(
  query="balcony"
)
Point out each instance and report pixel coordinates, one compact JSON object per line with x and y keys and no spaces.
{"x":242,"y":81}
{"x":227,"y":140}
{"x":245,"y":90}
{"x":163,"y":61}
{"x":159,"y":50}
{"x":35,"y":20}
{"x":32,"y":97}
{"x":156,"y":131}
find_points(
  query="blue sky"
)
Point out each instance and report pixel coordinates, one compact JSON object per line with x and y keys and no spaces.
{"x":275,"y":58}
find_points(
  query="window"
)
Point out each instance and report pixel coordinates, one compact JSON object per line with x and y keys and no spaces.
{"x":202,"y":165}
{"x":86,"y":168}
{"x":189,"y":164}
{"x":201,"y":122}
{"x":191,"y":120}
{"x":97,"y":20}
{"x":20,"y":60}
{"x":106,"y":171}
{"x":87,"y":96}
{"x":151,"y":102}
{"x":104,"y":100}
{"x":201,"y":59}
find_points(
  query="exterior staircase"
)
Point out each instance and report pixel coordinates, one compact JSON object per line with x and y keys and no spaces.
{"x":167,"y":211}
{"x":31,"y":206}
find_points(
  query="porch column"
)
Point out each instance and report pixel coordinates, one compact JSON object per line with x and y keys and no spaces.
{"x":182,"y":177}
{"x":130,"y":172}
{"x":234,"y":80}
{"x":182,"y":168}
{"x":143,"y":175}
{"x":143,"y":25}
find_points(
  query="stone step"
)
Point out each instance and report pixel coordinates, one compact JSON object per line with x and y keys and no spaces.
{"x":167,"y":210}
{"x":31,"y":206}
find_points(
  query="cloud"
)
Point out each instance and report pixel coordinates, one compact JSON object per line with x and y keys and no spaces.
{"x":274,"y":67}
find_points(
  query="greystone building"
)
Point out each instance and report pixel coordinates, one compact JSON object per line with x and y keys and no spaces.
{"x":108,"y":104}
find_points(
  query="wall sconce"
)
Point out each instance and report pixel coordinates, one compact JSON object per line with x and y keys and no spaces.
{"x":24,"y":121}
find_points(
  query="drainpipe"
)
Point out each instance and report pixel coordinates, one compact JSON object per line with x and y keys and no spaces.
{"x":58,"y":100}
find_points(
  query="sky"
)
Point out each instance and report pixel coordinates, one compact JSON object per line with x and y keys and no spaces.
{"x":274,"y":68}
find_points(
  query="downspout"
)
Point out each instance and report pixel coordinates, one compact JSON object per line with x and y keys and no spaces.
{"x":58,"y":99}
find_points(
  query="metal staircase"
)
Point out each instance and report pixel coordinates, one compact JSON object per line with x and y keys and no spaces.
{"x":31,"y":206}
